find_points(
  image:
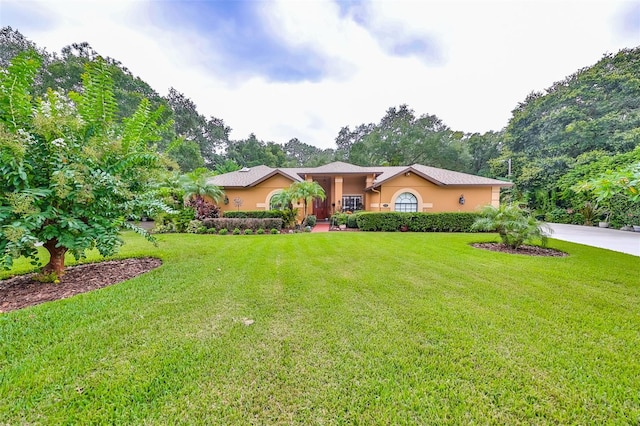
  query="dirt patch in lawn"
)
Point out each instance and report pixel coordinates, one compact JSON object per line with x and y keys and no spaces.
{"x":22,"y":291}
{"x":526,"y":250}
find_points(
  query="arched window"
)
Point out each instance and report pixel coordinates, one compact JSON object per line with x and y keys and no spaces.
{"x":406,"y":202}
{"x":273,"y":202}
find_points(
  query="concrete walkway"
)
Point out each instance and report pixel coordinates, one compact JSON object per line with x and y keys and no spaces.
{"x":612,"y":239}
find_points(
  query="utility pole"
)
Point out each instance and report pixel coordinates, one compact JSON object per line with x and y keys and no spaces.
{"x":509,"y":162}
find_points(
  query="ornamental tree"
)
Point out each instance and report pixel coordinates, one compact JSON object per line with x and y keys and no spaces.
{"x":70,"y":173}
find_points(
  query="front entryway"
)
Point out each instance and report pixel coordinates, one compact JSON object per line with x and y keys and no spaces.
{"x":320,"y":209}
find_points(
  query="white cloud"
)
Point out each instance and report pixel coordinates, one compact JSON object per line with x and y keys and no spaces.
{"x":493,"y":53}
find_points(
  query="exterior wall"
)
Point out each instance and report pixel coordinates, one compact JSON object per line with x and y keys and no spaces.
{"x":431,"y":198}
{"x":353,"y":185}
{"x":257,"y":197}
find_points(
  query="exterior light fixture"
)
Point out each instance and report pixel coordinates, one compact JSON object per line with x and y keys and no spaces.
{"x":226,"y":200}
{"x":461,"y":199}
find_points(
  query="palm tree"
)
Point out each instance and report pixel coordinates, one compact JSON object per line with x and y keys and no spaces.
{"x":514,"y":225}
{"x":306,"y":191}
{"x":195,"y":185}
{"x":283,"y":200}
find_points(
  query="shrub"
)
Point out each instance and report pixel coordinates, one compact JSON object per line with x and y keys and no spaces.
{"x":255,"y":214}
{"x":243,"y":223}
{"x":211,"y":231}
{"x":415,"y":222}
{"x":248,"y":232}
{"x":236,"y":231}
{"x":352,"y":221}
{"x":339,"y":219}
{"x":222,"y":231}
{"x":260,"y":231}
{"x":164,"y":229}
{"x":202,"y":208}
{"x":274,"y":231}
{"x":514,"y":224}
{"x":194,"y":227}
{"x":311,"y":220}
{"x":176,"y":222}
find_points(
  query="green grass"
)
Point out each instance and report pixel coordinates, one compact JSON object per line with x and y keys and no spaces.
{"x":350,"y":328}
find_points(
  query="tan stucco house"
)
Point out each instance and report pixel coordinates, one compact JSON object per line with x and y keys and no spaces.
{"x":415,"y":188}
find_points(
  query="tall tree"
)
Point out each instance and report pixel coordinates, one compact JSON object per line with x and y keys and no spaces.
{"x":71,"y":173}
{"x":401,"y":138}
{"x":211,"y":135}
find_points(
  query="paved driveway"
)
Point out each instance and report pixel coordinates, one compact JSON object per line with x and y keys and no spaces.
{"x":612,"y":239}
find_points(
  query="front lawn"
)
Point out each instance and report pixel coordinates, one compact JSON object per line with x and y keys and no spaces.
{"x":349,"y":328}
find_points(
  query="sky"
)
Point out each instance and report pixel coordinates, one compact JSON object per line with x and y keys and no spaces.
{"x":304,"y":69}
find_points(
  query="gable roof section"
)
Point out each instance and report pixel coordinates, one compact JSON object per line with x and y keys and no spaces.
{"x":440,"y":177}
{"x":248,"y":177}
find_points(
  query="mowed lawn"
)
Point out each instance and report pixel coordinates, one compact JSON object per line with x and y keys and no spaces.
{"x":350,"y":328}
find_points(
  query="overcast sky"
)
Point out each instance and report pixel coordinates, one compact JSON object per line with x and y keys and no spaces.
{"x":285,"y":69}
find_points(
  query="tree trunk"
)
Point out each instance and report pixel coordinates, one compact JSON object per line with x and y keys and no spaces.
{"x":56,"y":259}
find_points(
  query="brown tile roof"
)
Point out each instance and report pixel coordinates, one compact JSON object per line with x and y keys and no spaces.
{"x":252,"y":176}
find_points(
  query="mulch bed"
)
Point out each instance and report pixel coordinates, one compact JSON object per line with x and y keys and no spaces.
{"x":22,"y":291}
{"x":526,"y":250}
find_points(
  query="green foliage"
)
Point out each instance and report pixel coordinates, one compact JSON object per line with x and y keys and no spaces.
{"x":252,"y":152}
{"x":256,"y":214}
{"x":624,"y":182}
{"x":339,"y":219}
{"x":71,"y":174}
{"x":248,"y":231}
{"x":222,"y":231}
{"x":307,"y":192}
{"x":196,"y":184}
{"x":46,"y":278}
{"x":514,"y":224}
{"x":415,"y":222}
{"x":274,"y":231}
{"x":260,"y":231}
{"x":570,"y":216}
{"x":174,"y":222}
{"x":589,"y":212}
{"x":195,"y":227}
{"x":311,"y":220}
{"x":243,"y":223}
{"x":352,"y":220}
{"x":15,"y":90}
{"x":401,"y":138}
{"x":579,"y":128}
{"x":236,"y":231}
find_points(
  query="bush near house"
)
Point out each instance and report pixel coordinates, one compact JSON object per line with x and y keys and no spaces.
{"x":256,"y":214}
{"x":416,"y":222}
{"x":243,"y":223}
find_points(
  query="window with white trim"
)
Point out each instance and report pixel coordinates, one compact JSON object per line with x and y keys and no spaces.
{"x":406,"y":202}
{"x":351,"y":202}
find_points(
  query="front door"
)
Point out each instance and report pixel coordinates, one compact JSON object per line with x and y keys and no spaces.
{"x":320,"y":209}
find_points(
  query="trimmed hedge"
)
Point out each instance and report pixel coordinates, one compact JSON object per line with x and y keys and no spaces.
{"x":256,"y":214}
{"x":416,"y":222}
{"x":243,"y":223}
